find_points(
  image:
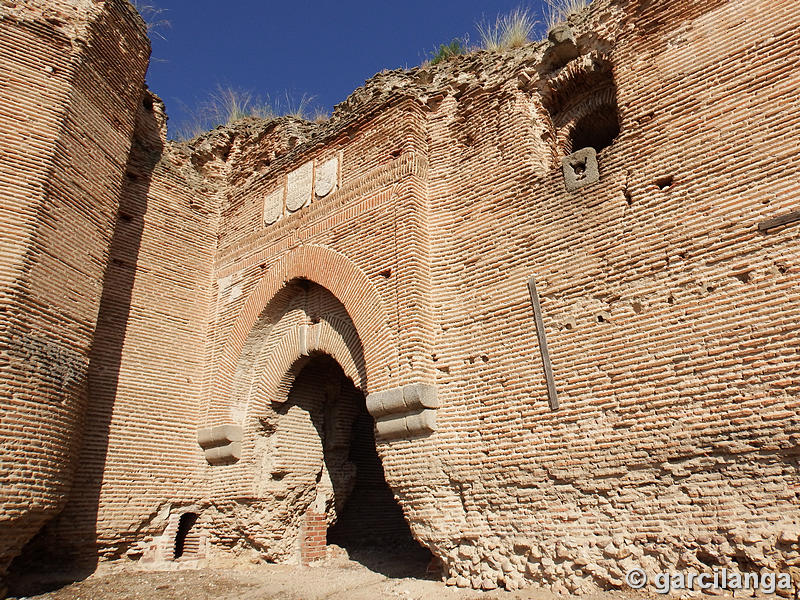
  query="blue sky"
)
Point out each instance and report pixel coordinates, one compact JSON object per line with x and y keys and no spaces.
{"x":297,"y":47}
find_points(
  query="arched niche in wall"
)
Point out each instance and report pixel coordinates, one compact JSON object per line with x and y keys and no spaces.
{"x":308,"y":265}
{"x":579,"y":92}
{"x":342,"y":278}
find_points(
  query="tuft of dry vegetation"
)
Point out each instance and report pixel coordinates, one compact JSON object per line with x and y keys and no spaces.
{"x":510,"y":30}
{"x":228,"y":104}
{"x":558,"y":11}
{"x":153,"y":17}
{"x":456,"y":47}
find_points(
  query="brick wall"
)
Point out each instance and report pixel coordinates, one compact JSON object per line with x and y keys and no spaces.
{"x":312,"y":544}
{"x":677,"y":433}
{"x":673,"y":394}
{"x":69,"y":101}
{"x":670,"y":318}
{"x":147,"y":358}
{"x":371,"y":516}
{"x":295,"y":454}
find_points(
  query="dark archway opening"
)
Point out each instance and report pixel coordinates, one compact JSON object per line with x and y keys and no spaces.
{"x":371,"y":526}
{"x":186,"y":544}
{"x":369,"y":523}
{"x":597,"y":130}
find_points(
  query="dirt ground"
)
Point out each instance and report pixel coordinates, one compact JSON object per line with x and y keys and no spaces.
{"x":343,"y":578}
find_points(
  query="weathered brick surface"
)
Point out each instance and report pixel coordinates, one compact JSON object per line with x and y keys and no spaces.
{"x":669,"y":317}
{"x":140,"y":451}
{"x":72,"y":77}
{"x":671,"y":320}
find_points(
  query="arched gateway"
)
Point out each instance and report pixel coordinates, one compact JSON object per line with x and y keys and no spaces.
{"x":298,"y":424}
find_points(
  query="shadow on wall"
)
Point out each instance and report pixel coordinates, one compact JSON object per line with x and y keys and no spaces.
{"x":371,"y":527}
{"x":351,"y":489}
{"x":67,"y":548}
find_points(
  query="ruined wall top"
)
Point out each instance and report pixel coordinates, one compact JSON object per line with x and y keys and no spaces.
{"x":588,"y":35}
{"x":70,"y":18}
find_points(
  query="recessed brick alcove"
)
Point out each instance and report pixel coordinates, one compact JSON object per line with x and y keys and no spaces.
{"x":354,"y":506}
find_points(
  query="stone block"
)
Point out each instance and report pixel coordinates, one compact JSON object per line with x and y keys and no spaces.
{"x":221,"y":455}
{"x":561,"y":34}
{"x":421,"y":422}
{"x":563,"y":47}
{"x":391,"y":427}
{"x":580,"y":168}
{"x":420,"y":395}
{"x":409,"y":398}
{"x":386,"y":402}
{"x":273,"y":206}
{"x":221,"y":444}
{"x":303,"y":338}
{"x":219,"y":435}
{"x":298,"y":187}
{"x":393,"y":401}
{"x":326,"y":177}
{"x":407,"y":410}
{"x":375,"y":404}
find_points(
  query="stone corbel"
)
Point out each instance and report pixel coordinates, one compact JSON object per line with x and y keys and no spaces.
{"x":405,"y":411}
{"x":221,"y":444}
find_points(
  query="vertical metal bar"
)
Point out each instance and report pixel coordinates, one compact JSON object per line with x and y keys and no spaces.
{"x":552,"y":395}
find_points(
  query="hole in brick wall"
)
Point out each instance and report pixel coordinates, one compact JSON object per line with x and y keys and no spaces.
{"x":147,"y":103}
{"x":268,"y":426}
{"x":433,"y":103}
{"x":670,"y":300}
{"x":628,"y":197}
{"x":597,"y":129}
{"x":744,"y":563}
{"x":386,"y":273}
{"x":187,"y":541}
{"x":371,"y":517}
{"x":665,"y":182}
{"x":707,"y":558}
{"x":744,"y":276}
{"x":122,"y":263}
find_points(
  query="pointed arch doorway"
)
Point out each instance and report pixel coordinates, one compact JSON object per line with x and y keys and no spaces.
{"x":310,"y":471}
